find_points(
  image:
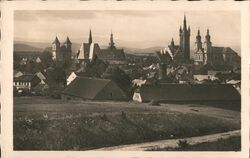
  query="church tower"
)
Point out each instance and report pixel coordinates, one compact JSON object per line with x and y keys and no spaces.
{"x":90,"y":36}
{"x":55,"y":49}
{"x":68,"y":44}
{"x":185,"y":40}
{"x":111,"y":43}
{"x":207,"y":49}
{"x":68,"y":51}
{"x":198,"y":43}
{"x":207,"y":43}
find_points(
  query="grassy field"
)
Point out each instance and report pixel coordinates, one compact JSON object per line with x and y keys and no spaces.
{"x":47,"y":124}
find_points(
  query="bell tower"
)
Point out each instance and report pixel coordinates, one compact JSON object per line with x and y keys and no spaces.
{"x":185,"y":40}
{"x":55,"y":48}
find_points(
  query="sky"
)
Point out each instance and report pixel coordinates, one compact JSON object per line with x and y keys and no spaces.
{"x":139,"y":29}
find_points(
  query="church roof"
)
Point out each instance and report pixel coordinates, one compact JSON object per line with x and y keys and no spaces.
{"x":223,"y":50}
{"x":111,"y":54}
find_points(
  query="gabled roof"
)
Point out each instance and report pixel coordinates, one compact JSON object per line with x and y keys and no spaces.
{"x":86,"y":88}
{"x":223,"y":50}
{"x":189,"y":92}
{"x":111,"y":54}
{"x":24,"y":78}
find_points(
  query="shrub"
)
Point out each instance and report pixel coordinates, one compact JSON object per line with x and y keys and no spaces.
{"x":182,"y":143}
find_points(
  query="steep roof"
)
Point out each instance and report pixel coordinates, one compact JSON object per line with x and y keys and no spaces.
{"x":68,"y":41}
{"x":86,"y":88}
{"x":25,"y":78}
{"x":111,"y":54}
{"x":56,"y":40}
{"x":223,"y":50}
{"x":189,"y":92}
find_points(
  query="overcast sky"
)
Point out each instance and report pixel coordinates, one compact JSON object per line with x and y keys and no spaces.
{"x":153,"y":28}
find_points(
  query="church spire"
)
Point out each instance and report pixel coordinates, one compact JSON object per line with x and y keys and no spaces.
{"x":185,"y":23}
{"x":111,"y":44}
{"x":198,"y":43}
{"x":208,"y":36}
{"x":172,"y":42}
{"x":90,"y":37}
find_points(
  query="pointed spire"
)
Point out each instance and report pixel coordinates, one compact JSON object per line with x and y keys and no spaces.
{"x":207,"y":31}
{"x":172,"y":42}
{"x":208,"y":36}
{"x":198,"y":33}
{"x":56,"y":40}
{"x":180,"y":30}
{"x":184,"y":23}
{"x":90,"y":36}
{"x":111,"y":44}
{"x":67,"y":40}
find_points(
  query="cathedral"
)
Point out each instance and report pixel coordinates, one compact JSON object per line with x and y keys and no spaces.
{"x":204,"y":53}
{"x":61,"y":53}
{"x":208,"y":54}
{"x":90,"y":50}
{"x":181,"y":54}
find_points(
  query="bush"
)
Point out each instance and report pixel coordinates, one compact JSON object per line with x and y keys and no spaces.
{"x":182,"y":143}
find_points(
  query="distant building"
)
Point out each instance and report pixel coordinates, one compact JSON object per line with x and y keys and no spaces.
{"x":93,"y":89}
{"x":213,"y":55}
{"x":26,"y":82}
{"x":181,"y":53}
{"x":112,"y":54}
{"x":61,"y":53}
{"x":88,"y":50}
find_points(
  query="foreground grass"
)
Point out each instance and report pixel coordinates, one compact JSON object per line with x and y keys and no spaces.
{"x":230,"y":144}
{"x":41,"y":124}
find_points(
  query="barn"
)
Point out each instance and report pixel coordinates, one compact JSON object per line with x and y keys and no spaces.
{"x":186,"y":92}
{"x":93,"y":89}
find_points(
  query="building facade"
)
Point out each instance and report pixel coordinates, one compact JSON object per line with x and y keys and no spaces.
{"x":208,"y":54}
{"x":61,"y":53}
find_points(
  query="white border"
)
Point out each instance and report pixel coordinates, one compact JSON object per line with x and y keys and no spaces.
{"x":7,"y":71}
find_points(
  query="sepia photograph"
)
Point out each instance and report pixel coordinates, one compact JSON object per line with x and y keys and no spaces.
{"x":115,"y":79}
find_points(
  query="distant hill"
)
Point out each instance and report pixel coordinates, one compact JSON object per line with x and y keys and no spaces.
{"x":40,"y":46}
{"x":27,"y":48}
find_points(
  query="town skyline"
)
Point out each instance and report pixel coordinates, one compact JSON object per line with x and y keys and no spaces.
{"x":44,"y":26}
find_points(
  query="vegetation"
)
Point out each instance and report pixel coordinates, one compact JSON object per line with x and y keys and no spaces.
{"x":47,"y":124}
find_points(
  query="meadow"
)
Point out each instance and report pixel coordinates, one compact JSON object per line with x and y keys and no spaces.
{"x":42,"y":123}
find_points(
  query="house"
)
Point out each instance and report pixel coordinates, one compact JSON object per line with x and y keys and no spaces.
{"x":204,"y":77}
{"x":186,"y":93}
{"x":93,"y":89}
{"x":26,"y":82}
{"x":236,"y":84}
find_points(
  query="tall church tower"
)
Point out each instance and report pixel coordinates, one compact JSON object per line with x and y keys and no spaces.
{"x":207,"y":48}
{"x":198,"y":43}
{"x":111,"y":43}
{"x":90,"y":37}
{"x":185,"y":40}
{"x":55,"y":49}
{"x":68,"y":51}
{"x":207,"y":43}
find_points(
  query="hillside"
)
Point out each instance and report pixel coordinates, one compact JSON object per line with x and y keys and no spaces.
{"x":90,"y":125}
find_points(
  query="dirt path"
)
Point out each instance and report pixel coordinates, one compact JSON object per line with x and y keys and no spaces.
{"x":172,"y":143}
